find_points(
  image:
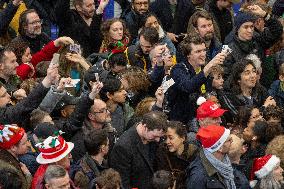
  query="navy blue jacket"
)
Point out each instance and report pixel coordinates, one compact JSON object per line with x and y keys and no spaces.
{"x":276,"y":92}
{"x":183,"y":94}
{"x":202,"y":175}
{"x":240,"y":179}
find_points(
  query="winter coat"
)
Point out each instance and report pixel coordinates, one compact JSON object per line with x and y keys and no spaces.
{"x":79,"y":149}
{"x":202,"y":175}
{"x":257,"y":46}
{"x":223,"y":19}
{"x":133,"y":160}
{"x":183,"y":94}
{"x":214,"y":48}
{"x":45,"y":10}
{"x":8,"y":161}
{"x":276,"y":92}
{"x":248,"y":158}
{"x":85,"y":171}
{"x":19,"y":112}
{"x":240,"y":179}
{"x":134,"y":22}
{"x":174,"y":163}
{"x":258,"y":97}
{"x":45,"y":54}
{"x":136,"y":57}
{"x":35,"y":44}
{"x":173,"y":22}
{"x":72,"y":24}
{"x":120,"y":117}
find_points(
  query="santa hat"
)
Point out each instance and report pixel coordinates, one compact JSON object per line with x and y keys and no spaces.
{"x":262,"y":167}
{"x":53,"y":149}
{"x":212,"y":137}
{"x":208,"y":108}
{"x":10,"y":135}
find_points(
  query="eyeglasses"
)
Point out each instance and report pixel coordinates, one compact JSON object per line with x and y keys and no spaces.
{"x":36,"y":22}
{"x":105,"y":110}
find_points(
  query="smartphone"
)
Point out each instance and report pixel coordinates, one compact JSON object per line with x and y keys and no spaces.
{"x":55,"y":59}
{"x":75,"y":48}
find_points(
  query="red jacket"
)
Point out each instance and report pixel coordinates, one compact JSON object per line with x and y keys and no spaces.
{"x":45,"y":54}
{"x":37,"y":182}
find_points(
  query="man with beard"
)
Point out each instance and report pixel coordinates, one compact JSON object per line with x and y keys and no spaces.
{"x":190,"y":77}
{"x":220,"y":11}
{"x":30,"y":31}
{"x":202,"y":23}
{"x":134,"y":19}
{"x":212,"y":168}
{"x":82,"y":23}
{"x":133,"y":156}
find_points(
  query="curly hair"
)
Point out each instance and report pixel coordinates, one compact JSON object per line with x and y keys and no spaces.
{"x":273,"y":112}
{"x":235,"y":77}
{"x":243,"y":116}
{"x":143,"y":106}
{"x":28,"y":85}
{"x":109,"y":179}
{"x":137,"y":79}
{"x":186,"y":46}
{"x":19,"y":47}
{"x":105,"y":27}
{"x":275,"y":147}
{"x":273,"y":130}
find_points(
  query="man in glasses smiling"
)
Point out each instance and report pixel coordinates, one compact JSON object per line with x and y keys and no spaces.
{"x":30,"y":30}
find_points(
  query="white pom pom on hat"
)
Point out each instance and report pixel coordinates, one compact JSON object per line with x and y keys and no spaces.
{"x":200,"y":100}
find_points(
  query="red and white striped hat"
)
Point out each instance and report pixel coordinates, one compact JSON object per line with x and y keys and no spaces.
{"x":53,"y":149}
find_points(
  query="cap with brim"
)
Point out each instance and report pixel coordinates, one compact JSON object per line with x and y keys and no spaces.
{"x":54,"y":154}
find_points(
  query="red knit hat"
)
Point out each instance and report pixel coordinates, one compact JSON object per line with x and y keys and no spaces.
{"x":53,"y":149}
{"x":10,"y":135}
{"x":208,"y":108}
{"x":262,"y":167}
{"x":212,"y":137}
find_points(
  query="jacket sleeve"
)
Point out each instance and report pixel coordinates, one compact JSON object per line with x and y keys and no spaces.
{"x":195,"y":180}
{"x":271,"y":33}
{"x":184,"y":82}
{"x":61,"y":10}
{"x":96,"y":35}
{"x":75,"y":122}
{"x":45,"y":54}
{"x":19,"y":112}
{"x":120,"y":160}
{"x":51,"y":99}
{"x":6,"y":17}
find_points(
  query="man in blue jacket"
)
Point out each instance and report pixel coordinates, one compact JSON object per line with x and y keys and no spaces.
{"x":190,"y":77}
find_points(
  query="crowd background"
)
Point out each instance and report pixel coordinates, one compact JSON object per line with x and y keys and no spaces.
{"x":141,"y":94}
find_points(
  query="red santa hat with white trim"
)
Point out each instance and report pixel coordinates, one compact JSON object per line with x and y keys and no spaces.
{"x":262,"y":167}
{"x":212,"y":137}
{"x":10,"y":135}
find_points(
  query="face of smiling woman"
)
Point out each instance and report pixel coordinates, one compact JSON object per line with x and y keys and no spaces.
{"x":174,"y":142}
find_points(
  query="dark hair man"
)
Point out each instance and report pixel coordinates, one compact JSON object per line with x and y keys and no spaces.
{"x":133,"y":154}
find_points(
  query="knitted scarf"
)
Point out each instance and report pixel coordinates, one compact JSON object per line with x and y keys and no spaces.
{"x":224,"y":168}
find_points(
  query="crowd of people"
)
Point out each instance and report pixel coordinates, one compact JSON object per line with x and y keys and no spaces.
{"x":141,"y":94}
